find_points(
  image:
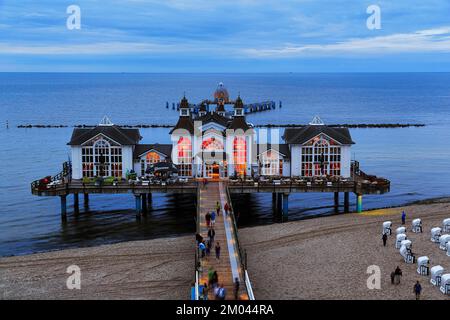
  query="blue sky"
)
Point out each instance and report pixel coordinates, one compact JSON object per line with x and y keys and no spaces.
{"x":224,"y":36}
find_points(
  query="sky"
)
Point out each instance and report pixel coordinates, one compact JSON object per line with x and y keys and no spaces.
{"x":225,"y":36}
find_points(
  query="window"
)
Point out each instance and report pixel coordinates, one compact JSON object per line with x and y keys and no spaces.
{"x":240,"y":155}
{"x":87,"y":161}
{"x":101,"y":159}
{"x":151,"y":158}
{"x":184,"y":157}
{"x":212,"y":144}
{"x":307,"y":161}
{"x":271,"y":164}
{"x":321,"y":156}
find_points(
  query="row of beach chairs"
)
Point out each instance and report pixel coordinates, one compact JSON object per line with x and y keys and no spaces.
{"x":437,"y":276}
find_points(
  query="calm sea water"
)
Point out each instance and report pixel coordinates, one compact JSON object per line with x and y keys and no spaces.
{"x":416,"y":160}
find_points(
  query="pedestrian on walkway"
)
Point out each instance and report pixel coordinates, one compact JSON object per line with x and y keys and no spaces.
{"x":215,"y":279}
{"x":384,"y":239}
{"x":210,"y":276}
{"x":221,"y":293}
{"x":211,"y":235}
{"x":217,"y":207}
{"x":208,"y":219}
{"x":417,"y":290}
{"x":226,"y":208}
{"x":217,"y":251}
{"x":208,"y":248}
{"x":236,"y":288}
{"x":213,"y":219}
{"x":403,"y":217}
{"x":202,"y":248}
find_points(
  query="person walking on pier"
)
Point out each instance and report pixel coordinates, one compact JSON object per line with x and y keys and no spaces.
{"x":417,"y":290}
{"x":226,"y":208}
{"x":236,"y":288}
{"x":208,"y":219}
{"x":403,"y":217}
{"x":221,"y":293}
{"x":217,"y":251}
{"x":213,"y":219}
{"x":208,"y":248}
{"x":217,"y":207}
{"x":211,"y":235}
{"x":384,"y":239}
{"x":202,"y":248}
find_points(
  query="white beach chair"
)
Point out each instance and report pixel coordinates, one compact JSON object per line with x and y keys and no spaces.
{"x":443,"y":240}
{"x":423,"y":266}
{"x":398,"y":240}
{"x":407,"y":244}
{"x":417,"y":226}
{"x":387,"y":227}
{"x":407,"y":254}
{"x":445,"y":283}
{"x":446,"y":225}
{"x":435,"y":234}
{"x":448,"y":249}
{"x":400,"y":230}
{"x":436,"y":272}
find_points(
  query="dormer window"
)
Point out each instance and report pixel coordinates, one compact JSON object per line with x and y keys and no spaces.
{"x":184,"y":112}
{"x":238,"y":112}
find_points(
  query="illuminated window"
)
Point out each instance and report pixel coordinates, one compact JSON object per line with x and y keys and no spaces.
{"x":151,"y":158}
{"x":184,"y":157}
{"x":212,"y":144}
{"x":321,"y":156}
{"x":240,"y":155}
{"x":101,"y":159}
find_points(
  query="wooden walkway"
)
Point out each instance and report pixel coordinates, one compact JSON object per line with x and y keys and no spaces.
{"x":228,"y":267}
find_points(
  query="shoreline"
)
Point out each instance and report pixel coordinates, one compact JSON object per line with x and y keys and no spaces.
{"x":429,"y":201}
{"x":304,"y":253}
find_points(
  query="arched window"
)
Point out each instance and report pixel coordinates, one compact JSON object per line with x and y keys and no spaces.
{"x":150,"y":158}
{"x":184,"y":157}
{"x":212,"y":144}
{"x":240,"y":155}
{"x":321,"y":156}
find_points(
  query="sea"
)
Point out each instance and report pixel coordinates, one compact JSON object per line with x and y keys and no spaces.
{"x":415,"y":159}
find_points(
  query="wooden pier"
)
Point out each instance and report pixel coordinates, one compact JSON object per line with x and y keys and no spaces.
{"x":231,"y":264}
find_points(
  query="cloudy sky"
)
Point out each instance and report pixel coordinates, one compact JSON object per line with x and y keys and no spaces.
{"x":225,"y":36}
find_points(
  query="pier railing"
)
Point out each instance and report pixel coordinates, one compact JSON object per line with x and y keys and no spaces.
{"x":62,"y":177}
{"x":242,"y":252}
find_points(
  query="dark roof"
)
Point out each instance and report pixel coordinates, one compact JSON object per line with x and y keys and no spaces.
{"x":213,"y":117}
{"x":140,"y":149}
{"x":184,"y":123}
{"x":238,"y":103}
{"x":184,"y":103}
{"x":282,"y":148}
{"x":239,"y":123}
{"x":302,"y":135}
{"x":123,"y":136}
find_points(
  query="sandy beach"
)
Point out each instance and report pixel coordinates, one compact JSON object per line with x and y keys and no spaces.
{"x":321,"y":258}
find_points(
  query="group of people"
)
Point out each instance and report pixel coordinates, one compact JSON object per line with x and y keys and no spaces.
{"x":397,"y":273}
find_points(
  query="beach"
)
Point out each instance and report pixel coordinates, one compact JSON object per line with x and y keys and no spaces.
{"x":320,"y":258}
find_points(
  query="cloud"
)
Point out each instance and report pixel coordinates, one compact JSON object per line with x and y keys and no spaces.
{"x":430,"y":40}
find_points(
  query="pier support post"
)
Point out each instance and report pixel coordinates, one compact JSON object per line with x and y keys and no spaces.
{"x":346,"y":202}
{"x":336,"y":202}
{"x":63,"y":206}
{"x":274,"y":203}
{"x":359,"y":203}
{"x":86,"y":201}
{"x":279,"y":206}
{"x":138,"y":205}
{"x":285,"y":206}
{"x":144,"y":203}
{"x":76,"y":203}
{"x":149,"y":198}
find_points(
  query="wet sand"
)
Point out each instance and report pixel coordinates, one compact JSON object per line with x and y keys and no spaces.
{"x":321,"y":258}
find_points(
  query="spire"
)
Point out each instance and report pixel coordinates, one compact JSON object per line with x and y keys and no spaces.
{"x":106,"y":122}
{"x":316,"y":121}
{"x":184,"y":107}
{"x":238,"y":107}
